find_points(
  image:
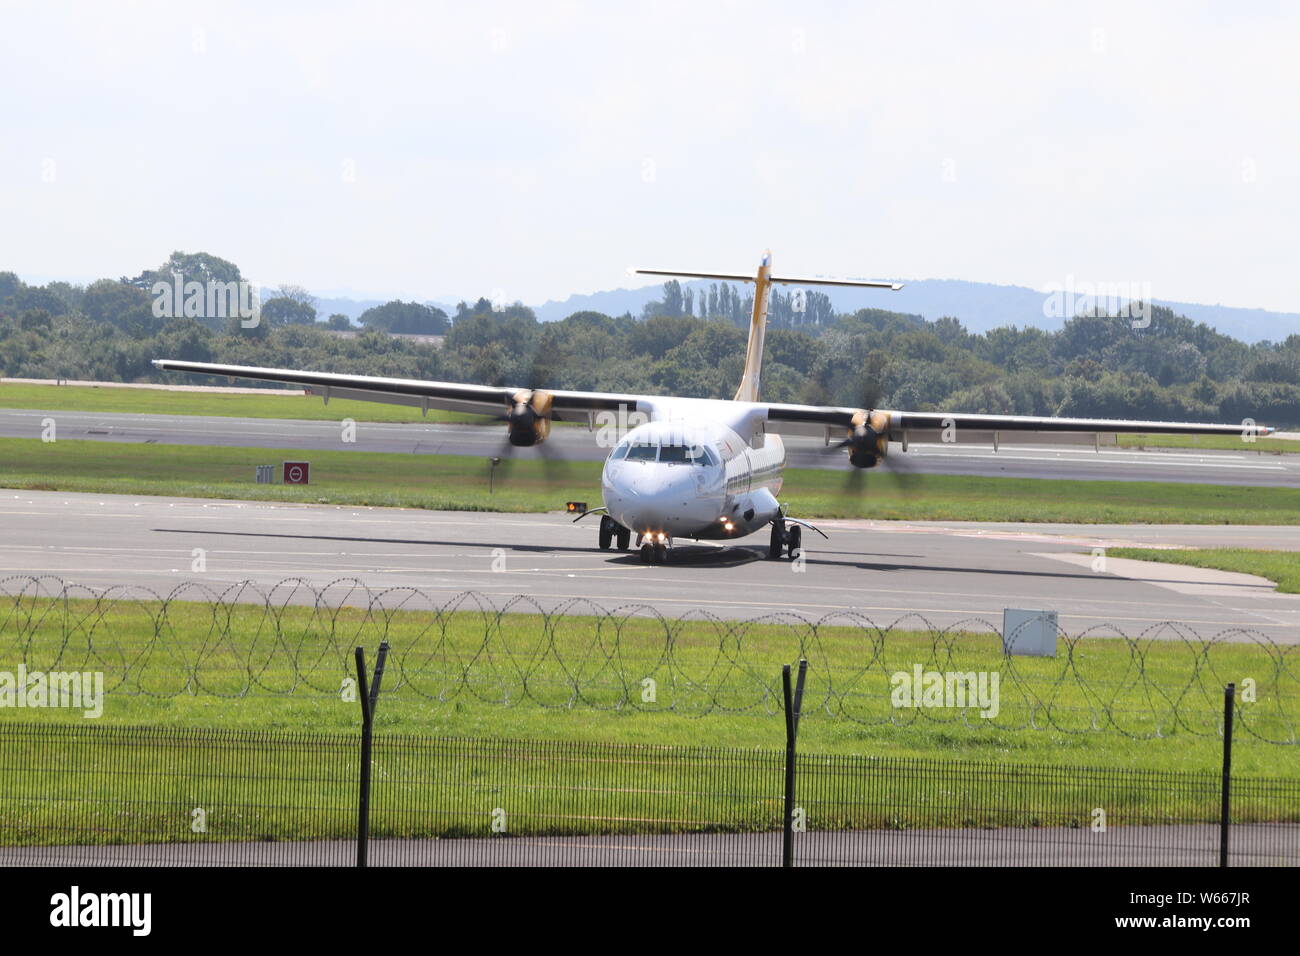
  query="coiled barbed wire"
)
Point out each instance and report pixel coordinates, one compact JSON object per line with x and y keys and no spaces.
{"x":295,"y":639}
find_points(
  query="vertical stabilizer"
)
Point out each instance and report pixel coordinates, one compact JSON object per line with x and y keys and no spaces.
{"x":748,"y":391}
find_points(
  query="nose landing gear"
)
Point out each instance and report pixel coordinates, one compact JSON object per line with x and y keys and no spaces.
{"x":654,"y":549}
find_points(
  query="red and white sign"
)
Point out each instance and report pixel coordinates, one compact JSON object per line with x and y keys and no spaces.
{"x":297,"y":472}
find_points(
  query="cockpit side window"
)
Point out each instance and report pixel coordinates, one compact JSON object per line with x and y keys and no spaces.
{"x":620,"y":452}
{"x":700,"y":455}
{"x":687,"y":455}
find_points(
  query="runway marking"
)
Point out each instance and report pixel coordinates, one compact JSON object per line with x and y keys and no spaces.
{"x":504,"y":522}
{"x":957,"y":451}
{"x":1115,"y":461}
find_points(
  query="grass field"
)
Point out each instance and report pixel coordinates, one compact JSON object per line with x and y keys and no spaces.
{"x":1104,"y":703}
{"x":1261,"y":445}
{"x":461,"y":483}
{"x":160,"y":401}
{"x":133,"y":785}
{"x":478,"y":682}
{"x":1280,"y":567}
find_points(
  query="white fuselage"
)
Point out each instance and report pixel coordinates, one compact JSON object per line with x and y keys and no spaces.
{"x":699,"y":469}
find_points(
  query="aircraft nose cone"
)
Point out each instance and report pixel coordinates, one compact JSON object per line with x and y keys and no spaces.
{"x":657,"y":499}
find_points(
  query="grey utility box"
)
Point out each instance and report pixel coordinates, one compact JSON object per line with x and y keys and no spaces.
{"x":1029,"y":633}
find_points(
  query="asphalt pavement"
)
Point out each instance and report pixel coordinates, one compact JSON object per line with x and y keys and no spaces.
{"x":941,"y":573}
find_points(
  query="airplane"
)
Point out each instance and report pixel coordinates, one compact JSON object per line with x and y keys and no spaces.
{"x":704,"y":469}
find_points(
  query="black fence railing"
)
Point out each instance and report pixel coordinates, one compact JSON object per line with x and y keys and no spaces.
{"x":111,"y":795}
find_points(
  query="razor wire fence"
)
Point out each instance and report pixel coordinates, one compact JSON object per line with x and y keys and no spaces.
{"x":153,"y":796}
{"x":293,"y":641}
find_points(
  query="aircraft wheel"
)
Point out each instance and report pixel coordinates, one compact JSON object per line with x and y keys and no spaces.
{"x":661,"y":554}
{"x":624,"y":537}
{"x":777,"y":542}
{"x":647,"y":553}
{"x":794,"y":540}
{"x":606,"y":532}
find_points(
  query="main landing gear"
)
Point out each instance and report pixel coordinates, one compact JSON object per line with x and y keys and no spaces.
{"x":785,"y":537}
{"x":611,"y":531}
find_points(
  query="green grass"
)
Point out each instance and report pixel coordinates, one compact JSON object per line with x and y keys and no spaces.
{"x":1100,"y":702}
{"x":158,"y":401}
{"x":200,"y":667}
{"x":1280,"y":567}
{"x":132,"y":785}
{"x":461,"y":483}
{"x":1211,"y":442}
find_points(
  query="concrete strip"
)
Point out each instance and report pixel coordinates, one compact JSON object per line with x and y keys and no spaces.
{"x":1175,"y":845}
{"x":1183,"y":578}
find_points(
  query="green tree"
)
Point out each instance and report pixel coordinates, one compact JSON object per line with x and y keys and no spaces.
{"x":406,"y":317}
{"x":282,"y":310}
{"x":121,"y":305}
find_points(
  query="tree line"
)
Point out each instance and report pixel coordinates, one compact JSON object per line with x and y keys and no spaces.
{"x":1094,"y":366}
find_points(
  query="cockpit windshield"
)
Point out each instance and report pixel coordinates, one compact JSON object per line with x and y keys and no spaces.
{"x":642,"y":451}
{"x":667,"y":453}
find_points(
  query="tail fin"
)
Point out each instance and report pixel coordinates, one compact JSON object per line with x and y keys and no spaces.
{"x":763,"y":281}
{"x":748,"y":391}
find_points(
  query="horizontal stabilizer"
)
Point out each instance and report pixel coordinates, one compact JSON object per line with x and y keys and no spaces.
{"x":780,"y":280}
{"x":862,"y":283}
{"x":676,"y":273}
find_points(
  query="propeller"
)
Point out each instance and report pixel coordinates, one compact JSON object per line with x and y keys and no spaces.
{"x":528,"y":425}
{"x":868,"y":439}
{"x":528,"y":420}
{"x":868,"y":447}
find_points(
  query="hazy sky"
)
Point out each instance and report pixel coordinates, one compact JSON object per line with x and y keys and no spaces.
{"x":541,"y":148}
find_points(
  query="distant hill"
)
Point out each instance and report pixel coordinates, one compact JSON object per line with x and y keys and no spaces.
{"x":979,"y":305}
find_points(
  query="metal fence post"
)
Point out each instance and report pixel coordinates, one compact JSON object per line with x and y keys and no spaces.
{"x":792,"y":703}
{"x":368,"y":694}
{"x":1229,"y":693}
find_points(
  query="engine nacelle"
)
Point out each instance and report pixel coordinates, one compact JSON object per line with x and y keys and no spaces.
{"x":868,"y":441}
{"x":528,"y":422}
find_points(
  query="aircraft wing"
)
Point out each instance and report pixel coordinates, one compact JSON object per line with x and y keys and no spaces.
{"x":962,"y":427}
{"x":806,"y":419}
{"x":448,"y":396}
